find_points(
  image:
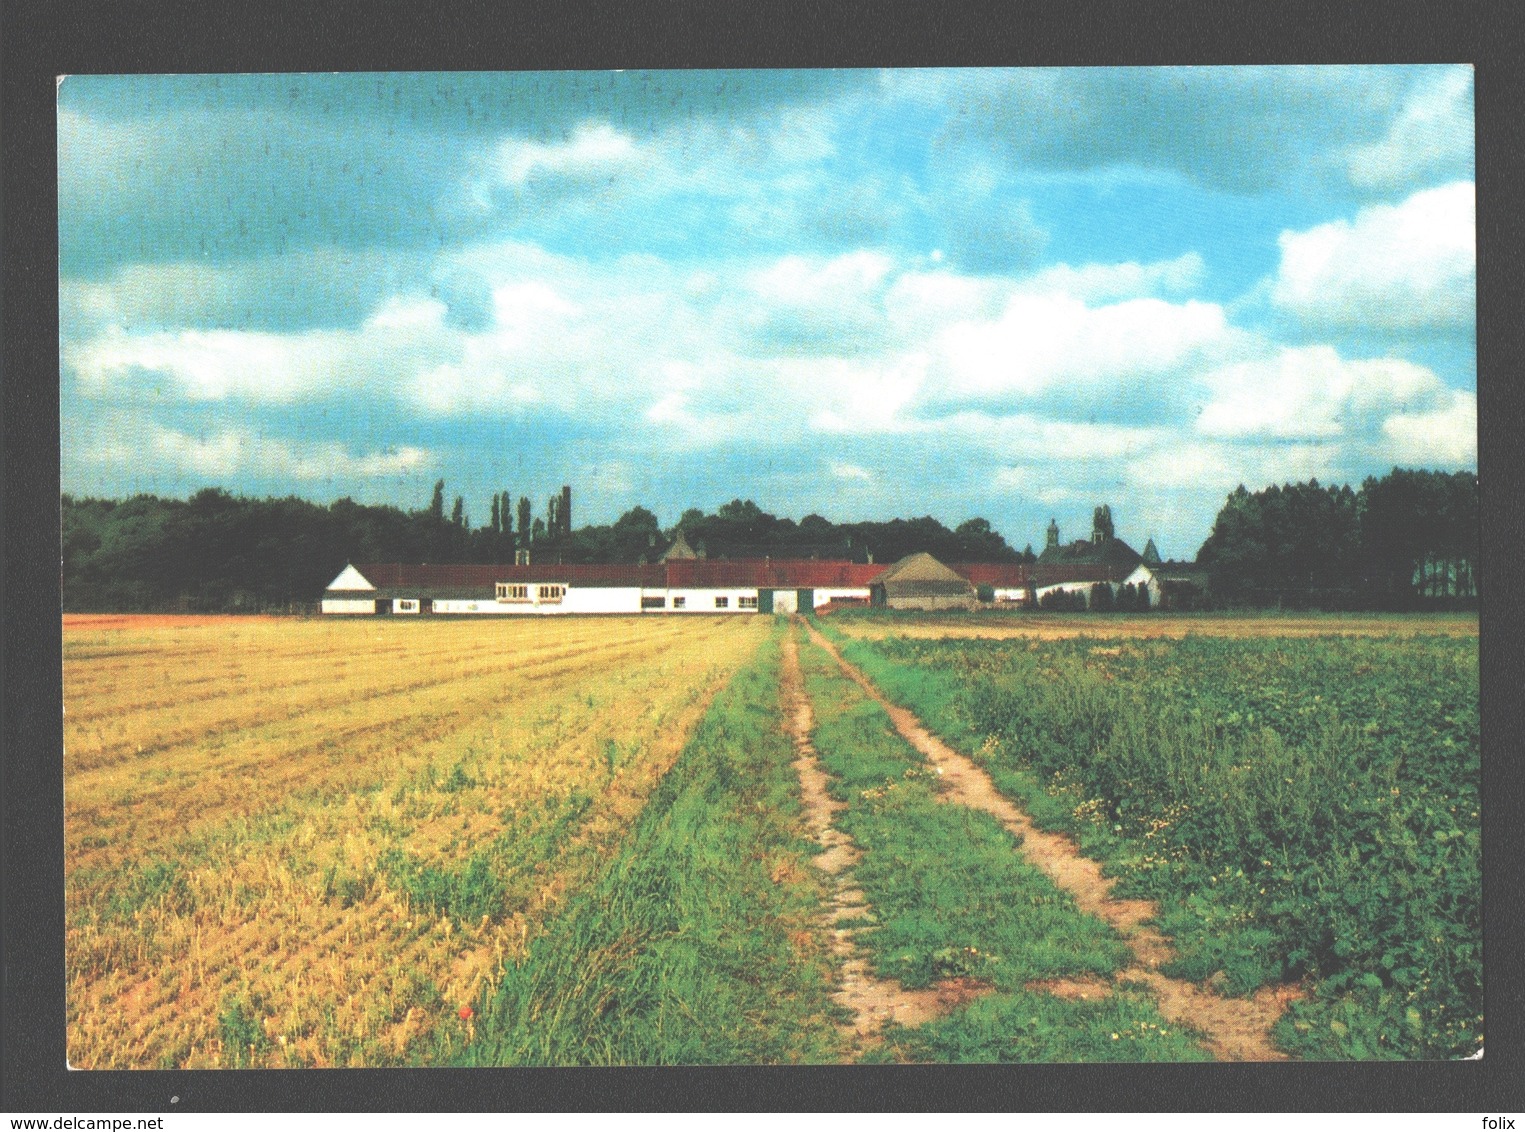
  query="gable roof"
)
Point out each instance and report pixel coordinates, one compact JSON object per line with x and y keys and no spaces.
{"x":679,"y":549}
{"x":921,"y":574}
{"x":1110,"y":560}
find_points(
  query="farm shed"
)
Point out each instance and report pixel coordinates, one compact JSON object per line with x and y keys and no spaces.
{"x":920,"y":581}
{"x":681,"y":585}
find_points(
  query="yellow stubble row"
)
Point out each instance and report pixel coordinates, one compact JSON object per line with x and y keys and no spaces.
{"x":254,"y":825}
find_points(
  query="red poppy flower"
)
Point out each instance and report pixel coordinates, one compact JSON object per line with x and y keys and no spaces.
{"x":466,"y":1013}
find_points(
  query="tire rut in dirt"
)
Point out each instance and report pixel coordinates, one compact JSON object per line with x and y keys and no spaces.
{"x":872,"y":1001}
{"x":1236,"y":1029}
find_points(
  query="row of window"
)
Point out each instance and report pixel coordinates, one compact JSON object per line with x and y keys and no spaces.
{"x":514,"y":591}
{"x":510,"y":591}
{"x":681,"y":602}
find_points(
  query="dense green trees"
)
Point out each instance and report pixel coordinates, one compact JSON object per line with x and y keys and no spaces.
{"x":741,"y":529}
{"x":216,"y":551}
{"x":1407,"y":539}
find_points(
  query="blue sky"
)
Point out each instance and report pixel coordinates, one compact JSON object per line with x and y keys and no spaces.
{"x":1008,"y":293}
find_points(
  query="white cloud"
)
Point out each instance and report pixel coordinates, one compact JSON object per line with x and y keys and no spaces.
{"x":798,"y":304}
{"x":130,"y":443}
{"x":211,"y":365}
{"x":1409,"y":266}
{"x":1311,"y":392}
{"x":1108,"y":282}
{"x":1434,"y":131}
{"x":403,"y":335}
{"x":594,"y":151}
{"x":1443,"y":438}
{"x":1042,"y":341}
{"x":851,"y":472}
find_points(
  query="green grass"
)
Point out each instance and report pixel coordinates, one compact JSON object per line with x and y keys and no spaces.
{"x":1027,"y":1026}
{"x":1300,"y":808}
{"x":953,"y":896}
{"x":700,"y":943}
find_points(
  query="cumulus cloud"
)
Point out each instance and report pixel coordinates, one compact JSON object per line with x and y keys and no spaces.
{"x":1445,"y":437}
{"x":1044,"y":340}
{"x":1312,"y":392}
{"x":594,"y":152}
{"x":801,"y":305}
{"x":1109,"y":282}
{"x":844,"y":471}
{"x":1240,"y":129}
{"x":257,"y":366}
{"x":1409,"y":266}
{"x":1433,"y":134}
{"x":131,"y":442}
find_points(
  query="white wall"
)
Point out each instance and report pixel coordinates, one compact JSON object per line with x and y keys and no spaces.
{"x":823,"y":596}
{"x":599,"y":599}
{"x":577,"y":599}
{"x":349,"y":605}
{"x":702,"y":601}
{"x":1143,"y":576}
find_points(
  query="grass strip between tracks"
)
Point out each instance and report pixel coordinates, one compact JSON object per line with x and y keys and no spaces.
{"x":954,"y":898}
{"x":700,"y":943}
{"x":1299,"y":809}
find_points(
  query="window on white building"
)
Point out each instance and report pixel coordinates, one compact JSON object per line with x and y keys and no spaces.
{"x":746,"y":603}
{"x":552,"y":593}
{"x":507,"y":591}
{"x":722,"y":603}
{"x":653,"y":603}
{"x":679,"y":602}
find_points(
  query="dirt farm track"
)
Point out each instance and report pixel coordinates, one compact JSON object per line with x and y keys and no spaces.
{"x":311,"y":842}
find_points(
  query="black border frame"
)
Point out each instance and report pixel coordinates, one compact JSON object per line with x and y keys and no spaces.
{"x":78,"y":36}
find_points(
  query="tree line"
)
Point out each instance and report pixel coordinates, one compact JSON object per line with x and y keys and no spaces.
{"x":1403,"y":541}
{"x":217,"y":552}
{"x":1407,"y":540}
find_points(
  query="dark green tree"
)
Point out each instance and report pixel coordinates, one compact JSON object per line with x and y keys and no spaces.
{"x":526,"y":531}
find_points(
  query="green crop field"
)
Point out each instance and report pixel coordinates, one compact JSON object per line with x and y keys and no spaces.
{"x":589,"y":841}
{"x":1303,"y":808}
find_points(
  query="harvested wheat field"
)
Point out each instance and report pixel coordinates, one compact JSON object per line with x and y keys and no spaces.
{"x":310,"y":843}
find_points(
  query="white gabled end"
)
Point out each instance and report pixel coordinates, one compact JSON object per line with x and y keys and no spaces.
{"x":350,"y":579}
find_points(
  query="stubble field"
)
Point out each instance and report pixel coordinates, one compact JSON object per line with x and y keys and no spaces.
{"x":312,"y":843}
{"x":610,"y":840}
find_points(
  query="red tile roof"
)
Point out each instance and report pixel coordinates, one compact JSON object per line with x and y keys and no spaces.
{"x":1006,"y":575}
{"x":785,"y":573}
{"x":788,"y":573}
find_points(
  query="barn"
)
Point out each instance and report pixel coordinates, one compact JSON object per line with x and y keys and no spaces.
{"x":678,"y":585}
{"x":919,"y":581}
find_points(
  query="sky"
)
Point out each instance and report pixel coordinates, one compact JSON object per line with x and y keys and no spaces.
{"x":1012,"y":294}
